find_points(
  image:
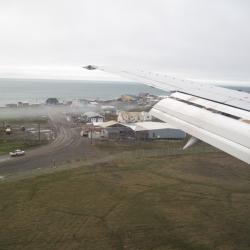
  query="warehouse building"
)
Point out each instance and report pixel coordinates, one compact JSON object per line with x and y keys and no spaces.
{"x":116,"y":130}
{"x":156,"y":130}
{"x":139,"y":131}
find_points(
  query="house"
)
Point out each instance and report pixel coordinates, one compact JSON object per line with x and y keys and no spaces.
{"x":92,"y":117}
{"x":156,"y":130}
{"x":132,"y":117}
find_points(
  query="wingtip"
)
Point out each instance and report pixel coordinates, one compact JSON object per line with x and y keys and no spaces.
{"x":90,"y":67}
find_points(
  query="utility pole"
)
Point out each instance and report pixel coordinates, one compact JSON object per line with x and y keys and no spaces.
{"x":91,"y":134}
{"x":3,"y":127}
{"x":39,"y":132}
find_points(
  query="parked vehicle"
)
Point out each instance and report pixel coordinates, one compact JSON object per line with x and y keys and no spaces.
{"x":17,"y":152}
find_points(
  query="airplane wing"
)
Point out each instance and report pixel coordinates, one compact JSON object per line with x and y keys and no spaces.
{"x":215,"y":115}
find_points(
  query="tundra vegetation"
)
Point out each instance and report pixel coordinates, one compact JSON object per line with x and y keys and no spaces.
{"x":131,"y":199}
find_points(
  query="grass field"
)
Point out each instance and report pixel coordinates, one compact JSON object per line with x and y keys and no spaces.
{"x":10,"y":145}
{"x":25,"y":120}
{"x":18,"y":139}
{"x":192,"y":201}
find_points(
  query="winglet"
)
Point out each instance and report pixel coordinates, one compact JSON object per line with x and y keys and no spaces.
{"x":90,"y":67}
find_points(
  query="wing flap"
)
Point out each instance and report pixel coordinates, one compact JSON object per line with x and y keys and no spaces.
{"x":211,"y":128}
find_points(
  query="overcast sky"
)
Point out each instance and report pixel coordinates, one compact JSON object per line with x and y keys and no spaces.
{"x":205,"y":39}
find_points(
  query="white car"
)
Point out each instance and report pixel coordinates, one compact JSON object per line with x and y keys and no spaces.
{"x":17,"y":152}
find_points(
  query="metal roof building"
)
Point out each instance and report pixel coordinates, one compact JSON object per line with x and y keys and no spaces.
{"x":156,"y":130}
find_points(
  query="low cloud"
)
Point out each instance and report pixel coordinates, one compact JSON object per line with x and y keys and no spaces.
{"x":198,"y":39}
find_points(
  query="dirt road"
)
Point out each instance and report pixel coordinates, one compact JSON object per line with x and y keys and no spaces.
{"x":68,"y":145}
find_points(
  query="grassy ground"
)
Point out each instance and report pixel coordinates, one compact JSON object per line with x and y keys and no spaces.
{"x":25,"y":120}
{"x":192,"y":201}
{"x":149,"y":147}
{"x":10,"y":145}
{"x":18,"y":139}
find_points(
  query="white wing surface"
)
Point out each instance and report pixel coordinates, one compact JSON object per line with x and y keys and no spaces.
{"x":215,"y":115}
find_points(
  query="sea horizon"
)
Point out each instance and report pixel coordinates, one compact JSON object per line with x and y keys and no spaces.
{"x":13,"y":90}
{"x":33,"y":91}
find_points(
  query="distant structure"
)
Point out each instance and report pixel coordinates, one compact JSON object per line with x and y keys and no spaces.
{"x":93,"y":103}
{"x":23,"y":104}
{"x":131,"y":117}
{"x":52,"y":101}
{"x":35,"y":105}
{"x":128,"y":98}
{"x":11,"y":105}
{"x":111,"y":110}
{"x":19,"y":105}
{"x":79,"y":103}
{"x":8,"y":130}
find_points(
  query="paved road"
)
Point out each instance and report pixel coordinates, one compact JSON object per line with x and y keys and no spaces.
{"x":68,"y":145}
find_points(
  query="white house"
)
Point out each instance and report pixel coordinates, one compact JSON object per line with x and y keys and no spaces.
{"x":92,"y":117}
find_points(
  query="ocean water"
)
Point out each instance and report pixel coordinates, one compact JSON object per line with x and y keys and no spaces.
{"x":37,"y":91}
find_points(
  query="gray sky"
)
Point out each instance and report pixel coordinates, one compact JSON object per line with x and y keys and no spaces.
{"x":206,"y":39}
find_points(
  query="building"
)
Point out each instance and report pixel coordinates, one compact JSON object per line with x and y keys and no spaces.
{"x":92,"y":117}
{"x":80,"y":103}
{"x":92,"y":103}
{"x":116,"y":130}
{"x":156,"y":130}
{"x":128,"y":98}
{"x":147,"y":99}
{"x":8,"y":130}
{"x":52,"y":101}
{"x":94,"y":132}
{"x":11,"y":105}
{"x":110,"y":110}
{"x":23,"y":104}
{"x":132,"y":117}
{"x":139,"y":130}
{"x":35,"y":105}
